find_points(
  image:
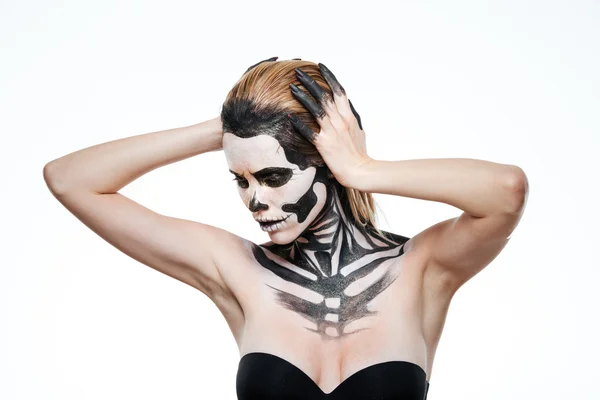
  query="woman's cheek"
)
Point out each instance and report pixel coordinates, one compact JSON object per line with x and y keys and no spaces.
{"x":293,"y":191}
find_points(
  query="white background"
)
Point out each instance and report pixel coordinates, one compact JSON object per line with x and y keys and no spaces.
{"x":513,"y":82}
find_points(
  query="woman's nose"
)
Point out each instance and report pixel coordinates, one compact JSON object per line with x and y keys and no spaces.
{"x":255,"y":205}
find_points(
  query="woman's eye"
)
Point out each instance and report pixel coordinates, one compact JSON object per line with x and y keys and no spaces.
{"x":272,"y":180}
{"x":240,"y":181}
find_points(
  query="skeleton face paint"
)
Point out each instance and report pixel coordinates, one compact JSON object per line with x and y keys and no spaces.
{"x":272,"y":187}
{"x":340,"y":266}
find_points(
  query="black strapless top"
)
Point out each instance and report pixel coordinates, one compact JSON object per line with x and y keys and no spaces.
{"x":269,"y":377}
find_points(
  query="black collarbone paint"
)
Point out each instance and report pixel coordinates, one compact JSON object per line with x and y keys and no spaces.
{"x":328,"y":262}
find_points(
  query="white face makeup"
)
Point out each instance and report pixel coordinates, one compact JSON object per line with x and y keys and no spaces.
{"x":273,"y":188}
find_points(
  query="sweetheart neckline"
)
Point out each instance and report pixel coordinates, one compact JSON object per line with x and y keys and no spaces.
{"x":342,"y":382}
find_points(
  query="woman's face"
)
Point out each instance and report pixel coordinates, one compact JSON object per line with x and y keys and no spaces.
{"x":273,"y":188}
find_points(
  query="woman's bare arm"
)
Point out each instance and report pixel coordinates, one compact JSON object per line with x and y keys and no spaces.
{"x":492,"y":197}
{"x":86,"y":183}
{"x":105,"y":168}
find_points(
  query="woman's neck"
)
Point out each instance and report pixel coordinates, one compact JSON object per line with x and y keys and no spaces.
{"x":326,"y":260}
{"x":322,"y":236}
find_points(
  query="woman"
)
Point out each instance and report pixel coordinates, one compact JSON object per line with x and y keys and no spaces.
{"x":331,"y":307}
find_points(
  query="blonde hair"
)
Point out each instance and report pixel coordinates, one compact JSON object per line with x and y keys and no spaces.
{"x":259,"y":103}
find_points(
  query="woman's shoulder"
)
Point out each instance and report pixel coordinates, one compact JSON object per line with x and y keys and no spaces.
{"x":400,"y":239}
{"x":394,"y":237}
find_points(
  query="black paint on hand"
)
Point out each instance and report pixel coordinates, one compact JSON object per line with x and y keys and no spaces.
{"x":331,"y":80}
{"x":315,"y":109}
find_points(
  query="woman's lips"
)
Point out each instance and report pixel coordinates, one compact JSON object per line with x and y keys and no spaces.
{"x":268,"y":223}
{"x":271,"y":223}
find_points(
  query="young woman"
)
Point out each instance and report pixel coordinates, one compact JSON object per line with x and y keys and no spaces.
{"x":331,"y":307}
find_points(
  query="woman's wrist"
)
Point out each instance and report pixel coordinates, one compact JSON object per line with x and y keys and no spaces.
{"x":211,"y":132}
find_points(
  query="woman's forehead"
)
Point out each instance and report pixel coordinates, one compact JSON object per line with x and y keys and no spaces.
{"x":254,"y":153}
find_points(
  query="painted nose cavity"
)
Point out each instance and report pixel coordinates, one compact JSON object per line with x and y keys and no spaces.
{"x":256,"y":205}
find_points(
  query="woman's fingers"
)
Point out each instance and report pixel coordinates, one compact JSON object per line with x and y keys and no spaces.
{"x":332,"y":81}
{"x":324,"y":109}
{"x":344,"y":108}
{"x":315,"y":109}
{"x":303,"y":129}
{"x":313,"y":87}
{"x":355,"y":114}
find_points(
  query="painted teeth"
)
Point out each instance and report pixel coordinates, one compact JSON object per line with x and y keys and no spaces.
{"x":272,"y":221}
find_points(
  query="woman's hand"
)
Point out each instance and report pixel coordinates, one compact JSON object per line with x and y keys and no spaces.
{"x":341,"y":141}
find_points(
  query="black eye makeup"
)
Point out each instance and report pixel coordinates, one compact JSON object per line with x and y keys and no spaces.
{"x":276,"y":180}
{"x":241,"y":182}
{"x":273,"y":177}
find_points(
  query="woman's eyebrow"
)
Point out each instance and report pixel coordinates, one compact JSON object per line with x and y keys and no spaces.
{"x":266,"y":171}
{"x":272,"y":170}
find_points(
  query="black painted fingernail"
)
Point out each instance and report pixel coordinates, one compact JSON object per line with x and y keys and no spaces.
{"x":293,"y":117}
{"x":331,"y":80}
{"x":294,"y":87}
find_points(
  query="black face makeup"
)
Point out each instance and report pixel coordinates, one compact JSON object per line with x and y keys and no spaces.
{"x":342,"y":266}
{"x":329,"y":268}
{"x":308,"y":201}
{"x":275,"y":185}
{"x":273,"y":177}
{"x":319,"y":247}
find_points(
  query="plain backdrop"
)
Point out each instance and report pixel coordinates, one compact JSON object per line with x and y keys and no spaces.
{"x":513,"y":82}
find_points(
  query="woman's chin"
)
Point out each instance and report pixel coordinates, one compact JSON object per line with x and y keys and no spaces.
{"x":280,"y":237}
{"x":287,"y":234}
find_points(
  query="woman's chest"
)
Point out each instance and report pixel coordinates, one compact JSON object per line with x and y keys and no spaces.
{"x":335,"y":298}
{"x":333,"y":325}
